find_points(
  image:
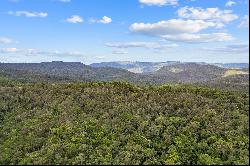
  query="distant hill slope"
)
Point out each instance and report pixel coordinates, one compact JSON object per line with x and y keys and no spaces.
{"x":203,"y":74}
{"x":233,"y":82}
{"x":190,"y":72}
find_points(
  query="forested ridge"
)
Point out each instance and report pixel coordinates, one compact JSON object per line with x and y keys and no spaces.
{"x":181,"y":73}
{"x":122,"y":123}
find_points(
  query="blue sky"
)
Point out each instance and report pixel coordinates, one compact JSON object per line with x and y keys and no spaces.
{"x":129,"y":30}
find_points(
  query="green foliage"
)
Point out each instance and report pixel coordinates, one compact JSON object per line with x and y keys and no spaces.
{"x":121,"y":123}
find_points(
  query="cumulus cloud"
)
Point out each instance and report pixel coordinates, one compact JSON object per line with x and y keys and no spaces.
{"x":188,"y":27}
{"x":74,"y":19}
{"x":194,"y":38}
{"x":5,"y":40}
{"x":173,"y":26}
{"x":245,"y":22}
{"x":236,"y":48}
{"x":208,"y":14}
{"x":230,"y":3}
{"x":158,"y":2}
{"x":104,"y":20}
{"x":28,"y":14}
{"x":148,"y":45}
{"x":35,"y":52}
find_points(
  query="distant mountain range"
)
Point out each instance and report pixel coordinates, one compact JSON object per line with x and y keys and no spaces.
{"x":148,"y":67}
{"x":135,"y":72}
{"x":136,"y":67}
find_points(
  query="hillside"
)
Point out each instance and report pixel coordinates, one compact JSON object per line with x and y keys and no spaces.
{"x":119,"y":123}
{"x":234,"y":82}
{"x":60,"y":71}
{"x":190,"y":72}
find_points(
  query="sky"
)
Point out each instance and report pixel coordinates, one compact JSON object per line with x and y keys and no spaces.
{"x":91,"y":31}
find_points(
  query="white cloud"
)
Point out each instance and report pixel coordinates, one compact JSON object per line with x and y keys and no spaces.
{"x":104,"y":20}
{"x":73,"y":53}
{"x":245,"y":22}
{"x":5,"y":40}
{"x":173,"y":26}
{"x":236,"y":48}
{"x":9,"y":50}
{"x":35,"y":52}
{"x":194,"y":38}
{"x":148,"y":45}
{"x":230,"y":3}
{"x":75,"y":19}
{"x":208,"y":14}
{"x":100,"y":57}
{"x":182,"y":30}
{"x":119,"y":52}
{"x":158,"y":2}
{"x":28,"y":14}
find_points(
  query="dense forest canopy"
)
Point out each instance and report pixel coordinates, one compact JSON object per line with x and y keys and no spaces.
{"x":121,"y":123}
